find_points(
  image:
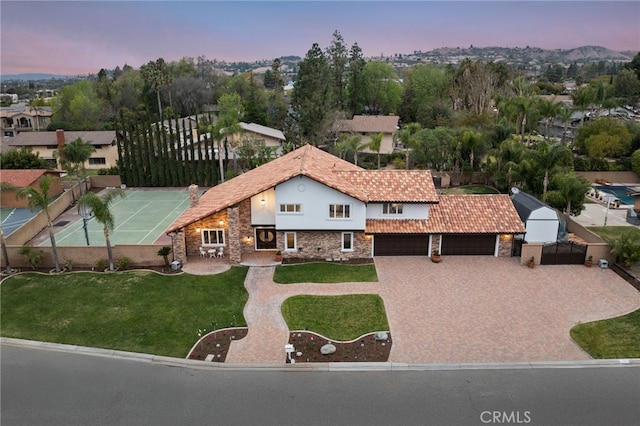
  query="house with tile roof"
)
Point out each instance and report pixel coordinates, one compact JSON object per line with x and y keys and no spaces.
{"x":311,"y":204}
{"x":368,"y":125}
{"x":15,"y":119}
{"x":19,"y":179}
{"x":46,"y":144}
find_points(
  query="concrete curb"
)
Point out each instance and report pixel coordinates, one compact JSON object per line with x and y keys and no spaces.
{"x":302,"y":367}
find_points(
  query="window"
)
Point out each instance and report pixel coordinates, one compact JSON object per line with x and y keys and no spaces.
{"x":347,"y":241}
{"x":97,"y":160}
{"x":339,"y":211}
{"x":212,"y":237}
{"x":290,"y":208}
{"x":392,"y":208}
{"x":290,"y":241}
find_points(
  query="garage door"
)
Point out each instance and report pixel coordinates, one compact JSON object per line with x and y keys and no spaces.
{"x":468,"y":244}
{"x":401,"y":245}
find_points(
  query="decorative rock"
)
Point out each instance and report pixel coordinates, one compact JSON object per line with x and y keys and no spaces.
{"x":381,"y":335}
{"x":327,"y":349}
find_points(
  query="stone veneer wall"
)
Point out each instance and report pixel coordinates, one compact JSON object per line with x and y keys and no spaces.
{"x":325,"y":245}
{"x":193,"y":239}
{"x":246,"y":235}
{"x":505,"y":245}
{"x":435,"y":242}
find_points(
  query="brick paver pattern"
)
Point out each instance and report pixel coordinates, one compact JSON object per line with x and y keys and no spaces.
{"x":467,"y":309}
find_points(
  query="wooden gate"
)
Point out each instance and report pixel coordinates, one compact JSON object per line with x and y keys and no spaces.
{"x":563,"y":253}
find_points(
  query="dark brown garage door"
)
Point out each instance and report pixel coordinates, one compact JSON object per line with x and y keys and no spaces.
{"x":468,"y":244}
{"x":401,"y":245}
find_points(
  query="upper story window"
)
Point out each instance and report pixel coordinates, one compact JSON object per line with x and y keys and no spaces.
{"x":290,"y":208}
{"x":97,"y":160}
{"x":213,"y":237}
{"x":392,"y":208}
{"x":339,"y":211}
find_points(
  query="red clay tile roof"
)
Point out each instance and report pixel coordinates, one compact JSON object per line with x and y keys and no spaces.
{"x":23,"y":178}
{"x":406,"y":186}
{"x":458,"y":214}
{"x":306,"y":161}
{"x":371,"y":124}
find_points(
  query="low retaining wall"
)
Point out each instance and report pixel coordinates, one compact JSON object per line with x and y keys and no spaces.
{"x":612,"y":177}
{"x":625,"y":275}
{"x":86,"y":256}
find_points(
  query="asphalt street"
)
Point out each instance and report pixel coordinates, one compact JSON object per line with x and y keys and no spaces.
{"x":41,"y":387}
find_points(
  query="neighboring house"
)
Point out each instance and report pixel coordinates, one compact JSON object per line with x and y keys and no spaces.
{"x":19,"y":179}
{"x":367,"y":125}
{"x":541,"y":221}
{"x":19,"y":118}
{"x":46,"y":144}
{"x":273,"y":138}
{"x":311,"y":204}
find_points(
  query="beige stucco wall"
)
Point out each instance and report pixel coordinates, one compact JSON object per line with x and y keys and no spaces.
{"x":108,"y":152}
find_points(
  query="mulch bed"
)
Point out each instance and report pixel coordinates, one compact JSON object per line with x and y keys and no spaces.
{"x":216,"y":344}
{"x":365,"y":349}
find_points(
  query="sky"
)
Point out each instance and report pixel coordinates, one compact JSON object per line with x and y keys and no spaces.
{"x":81,"y":37}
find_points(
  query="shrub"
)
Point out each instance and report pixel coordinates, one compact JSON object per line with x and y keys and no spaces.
{"x":68,"y":264}
{"x":101,"y":264}
{"x":627,"y":248}
{"x":164,"y":252}
{"x":34,"y":257}
{"x":123,"y":263}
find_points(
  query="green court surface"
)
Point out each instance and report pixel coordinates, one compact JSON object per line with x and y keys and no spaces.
{"x":141,"y":216}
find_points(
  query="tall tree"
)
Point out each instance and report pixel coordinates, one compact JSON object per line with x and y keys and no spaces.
{"x":337,"y":58}
{"x":156,"y":75}
{"x":547,"y":157}
{"x":312,"y":99}
{"x":353,"y":142}
{"x":382,"y":91}
{"x":572,"y":188}
{"x":38,"y":199}
{"x":549,"y":109}
{"x":101,"y":208}
{"x":405,"y":136}
{"x":355,"y":81}
{"x":582,"y":98}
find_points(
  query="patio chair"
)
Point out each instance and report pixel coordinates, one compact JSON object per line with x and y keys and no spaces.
{"x":221,"y":252}
{"x":202,"y":252}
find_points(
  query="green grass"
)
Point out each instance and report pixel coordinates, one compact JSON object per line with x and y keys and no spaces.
{"x":130,"y":311}
{"x":470,"y":189}
{"x":611,"y":232}
{"x":336,"y":317}
{"x":324,"y":273}
{"x":613,"y":338}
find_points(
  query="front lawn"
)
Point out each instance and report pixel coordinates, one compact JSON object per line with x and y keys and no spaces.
{"x":324,"y":273}
{"x":613,"y":338}
{"x":336,"y":317}
{"x":129,"y":311}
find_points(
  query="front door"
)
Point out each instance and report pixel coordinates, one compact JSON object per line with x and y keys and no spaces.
{"x":266,"y":239}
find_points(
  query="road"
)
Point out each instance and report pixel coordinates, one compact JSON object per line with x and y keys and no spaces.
{"x":41,"y":387}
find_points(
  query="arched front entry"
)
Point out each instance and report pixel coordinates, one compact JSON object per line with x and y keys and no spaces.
{"x":266,"y":239}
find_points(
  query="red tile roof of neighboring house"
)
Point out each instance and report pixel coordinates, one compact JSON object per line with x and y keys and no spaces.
{"x":407,"y":186}
{"x":458,"y":214}
{"x":371,"y":124}
{"x":23,"y":178}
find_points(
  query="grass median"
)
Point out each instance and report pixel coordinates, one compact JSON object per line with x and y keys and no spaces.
{"x":324,"y":273}
{"x":336,"y":317}
{"x":130,"y":311}
{"x":611,"y":338}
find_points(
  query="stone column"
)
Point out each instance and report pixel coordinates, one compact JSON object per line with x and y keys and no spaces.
{"x":235,"y":247}
{"x":178,"y":243}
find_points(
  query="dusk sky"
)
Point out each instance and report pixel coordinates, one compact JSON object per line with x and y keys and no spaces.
{"x":81,"y":37}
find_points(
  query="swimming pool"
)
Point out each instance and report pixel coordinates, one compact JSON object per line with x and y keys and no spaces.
{"x":622,"y":192}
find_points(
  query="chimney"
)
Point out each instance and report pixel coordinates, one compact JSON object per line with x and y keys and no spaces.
{"x":60,"y":137}
{"x":194,"y":197}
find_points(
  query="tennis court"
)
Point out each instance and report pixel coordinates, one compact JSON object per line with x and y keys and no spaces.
{"x":141,"y":216}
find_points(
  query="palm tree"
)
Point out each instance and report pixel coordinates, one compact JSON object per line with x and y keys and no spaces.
{"x":547,"y":156}
{"x":354,"y":143}
{"x":582,"y":99}
{"x":471,"y":140}
{"x":549,"y":109}
{"x":102,"y":213}
{"x":565,"y":114}
{"x":73,"y":157}
{"x":405,"y":137}
{"x":39,"y":199}
{"x":375,"y":144}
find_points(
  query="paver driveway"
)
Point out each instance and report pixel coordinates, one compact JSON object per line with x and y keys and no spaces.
{"x":463,"y":310}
